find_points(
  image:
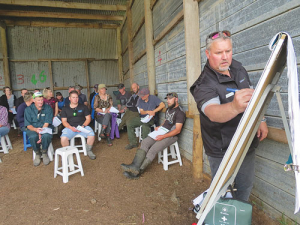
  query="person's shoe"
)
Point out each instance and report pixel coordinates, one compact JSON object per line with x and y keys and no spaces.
{"x":37,"y":160}
{"x":130,"y":146}
{"x":46,"y":159}
{"x":131,"y":176}
{"x":91,"y":155}
{"x":102,"y":135}
{"x":144,"y":165}
{"x":134,"y":167}
{"x":109,"y":143}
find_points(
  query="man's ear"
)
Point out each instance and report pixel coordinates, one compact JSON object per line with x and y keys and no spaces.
{"x":207,"y":53}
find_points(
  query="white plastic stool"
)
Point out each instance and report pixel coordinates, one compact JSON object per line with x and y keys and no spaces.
{"x":5,"y":144}
{"x":13,"y":125}
{"x":174,"y":152}
{"x":137,"y":131}
{"x":98,"y":127}
{"x":55,"y":131}
{"x":50,"y":152}
{"x":140,"y":132}
{"x":67,"y":163}
{"x":83,"y":144}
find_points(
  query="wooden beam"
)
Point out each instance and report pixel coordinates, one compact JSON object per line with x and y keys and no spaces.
{"x":150,"y":48}
{"x":152,"y":4}
{"x":139,"y":56}
{"x":169,"y":27}
{"x":123,"y":53}
{"x":5,"y":57}
{"x":61,"y":24}
{"x":277,"y":134}
{"x":60,"y":60}
{"x":197,"y":150}
{"x":192,"y":46}
{"x":138,"y":29}
{"x":119,"y":53}
{"x":17,"y":13}
{"x":67,"y":5}
{"x":87,"y":77}
{"x":123,"y":22}
{"x":130,"y":45}
{"x":51,"y":74}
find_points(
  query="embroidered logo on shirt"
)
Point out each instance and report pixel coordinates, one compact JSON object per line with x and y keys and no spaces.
{"x":169,"y":116}
{"x":80,"y":110}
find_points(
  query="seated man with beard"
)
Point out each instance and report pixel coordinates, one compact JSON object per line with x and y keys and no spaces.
{"x":173,"y":122}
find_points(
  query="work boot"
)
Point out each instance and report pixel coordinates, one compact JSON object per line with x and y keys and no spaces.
{"x":131,"y":176}
{"x":134,"y":167}
{"x":109,"y":143}
{"x":144,"y":165}
{"x":46,"y":159}
{"x":37,"y":159}
{"x":90,"y":154}
{"x":102,"y":135}
{"x":130,"y":146}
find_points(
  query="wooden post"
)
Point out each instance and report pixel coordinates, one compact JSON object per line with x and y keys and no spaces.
{"x":130,"y":46}
{"x":87,"y":79}
{"x":5,"y":55}
{"x":51,"y":75}
{"x":193,"y":70}
{"x":119,"y":53}
{"x":150,"y":47}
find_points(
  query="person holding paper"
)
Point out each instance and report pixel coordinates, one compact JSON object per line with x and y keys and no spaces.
{"x":149,"y":105}
{"x":74,"y":116}
{"x":21,"y":109}
{"x":221,"y":109}
{"x":102,"y":104}
{"x":167,"y":135}
{"x":36,"y":117}
{"x":122,"y":98}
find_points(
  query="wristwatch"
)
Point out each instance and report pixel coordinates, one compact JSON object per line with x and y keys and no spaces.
{"x":264,"y":119}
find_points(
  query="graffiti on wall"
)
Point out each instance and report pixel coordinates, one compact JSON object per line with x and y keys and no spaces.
{"x":42,"y":78}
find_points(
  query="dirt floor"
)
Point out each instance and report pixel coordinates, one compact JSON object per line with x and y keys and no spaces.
{"x":31,"y":195}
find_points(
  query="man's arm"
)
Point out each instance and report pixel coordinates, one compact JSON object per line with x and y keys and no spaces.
{"x":67,"y":125}
{"x":172,"y":133}
{"x":87,"y":120}
{"x":152,"y":113}
{"x":222,"y":113}
{"x":262,"y":131}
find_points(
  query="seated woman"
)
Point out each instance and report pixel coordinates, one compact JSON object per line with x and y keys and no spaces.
{"x":4,"y":125}
{"x":8,"y":100}
{"x":102,"y":104}
{"x":60,"y":101}
{"x":50,"y":100}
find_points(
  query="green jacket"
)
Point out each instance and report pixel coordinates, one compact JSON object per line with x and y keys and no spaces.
{"x":32,"y":117}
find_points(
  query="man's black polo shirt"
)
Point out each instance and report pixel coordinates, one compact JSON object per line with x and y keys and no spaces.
{"x":212,"y":85}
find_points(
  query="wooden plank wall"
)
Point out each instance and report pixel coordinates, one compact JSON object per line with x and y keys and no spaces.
{"x":253,"y":24}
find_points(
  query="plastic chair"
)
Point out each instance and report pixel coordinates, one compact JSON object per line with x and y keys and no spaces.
{"x":67,"y":163}
{"x":98,"y":127}
{"x":5,"y":144}
{"x":13,"y":124}
{"x":174,"y":152}
{"x":26,"y":141}
{"x":82,"y":146}
{"x":50,"y":152}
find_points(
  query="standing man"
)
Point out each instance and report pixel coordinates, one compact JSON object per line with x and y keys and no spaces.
{"x":38,"y":116}
{"x":122,"y":98}
{"x":74,"y":115}
{"x":20,"y":100}
{"x":221,"y":110}
{"x":173,"y":122}
{"x":148,"y":105}
{"x":131,"y":106}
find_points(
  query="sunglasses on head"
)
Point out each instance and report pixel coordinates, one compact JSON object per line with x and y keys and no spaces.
{"x":217,"y":34}
{"x":75,"y":112}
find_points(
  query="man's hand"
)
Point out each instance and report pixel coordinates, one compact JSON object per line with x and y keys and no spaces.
{"x":241,"y":99}
{"x":151,"y":113}
{"x":74,"y":129}
{"x":262,"y":131}
{"x":159,"y":137}
{"x":106,"y":110}
{"x":38,"y":130}
{"x":156,"y":128}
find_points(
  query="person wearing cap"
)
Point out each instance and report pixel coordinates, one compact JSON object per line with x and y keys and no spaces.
{"x":75,"y":115}
{"x":102,"y":104}
{"x":82,"y":96}
{"x":148,"y":105}
{"x":67,"y":100}
{"x":21,"y":109}
{"x":221,"y":110}
{"x":174,"y":120}
{"x":93,"y":94}
{"x":36,"y":117}
{"x":131,"y":106}
{"x":122,"y":98}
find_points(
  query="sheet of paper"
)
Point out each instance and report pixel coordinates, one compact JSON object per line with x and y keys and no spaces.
{"x":56,"y":121}
{"x":113,"y":110}
{"x":13,"y":110}
{"x":46,"y":130}
{"x":82,"y":129}
{"x":146,"y":119}
{"x":160,"y":131}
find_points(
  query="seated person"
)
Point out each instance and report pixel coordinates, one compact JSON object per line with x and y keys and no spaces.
{"x":60,"y":101}
{"x":174,"y":120}
{"x":67,"y":101}
{"x":131,"y":103}
{"x":102,"y":104}
{"x":122,"y":98}
{"x":74,"y":115}
{"x":36,"y":117}
{"x":148,"y":105}
{"x":21,"y":109}
{"x":4,"y":124}
{"x":20,"y":100}
{"x":82,"y":96}
{"x":50,"y":100}
{"x":93,"y":94}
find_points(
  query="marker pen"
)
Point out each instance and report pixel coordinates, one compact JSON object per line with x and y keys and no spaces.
{"x":232,"y":89}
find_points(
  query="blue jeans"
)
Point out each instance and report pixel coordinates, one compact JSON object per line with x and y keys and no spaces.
{"x":244,"y":178}
{"x":4,"y":131}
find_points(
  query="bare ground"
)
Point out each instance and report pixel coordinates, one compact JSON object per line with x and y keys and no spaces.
{"x":31,"y":195}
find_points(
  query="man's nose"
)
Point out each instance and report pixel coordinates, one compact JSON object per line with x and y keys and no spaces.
{"x":224,"y":55}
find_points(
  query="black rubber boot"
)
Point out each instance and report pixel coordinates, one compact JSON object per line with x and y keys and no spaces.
{"x":135,"y":176}
{"x":134,"y":167}
{"x":131,"y":176}
{"x":109,"y":143}
{"x":144,"y":165}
